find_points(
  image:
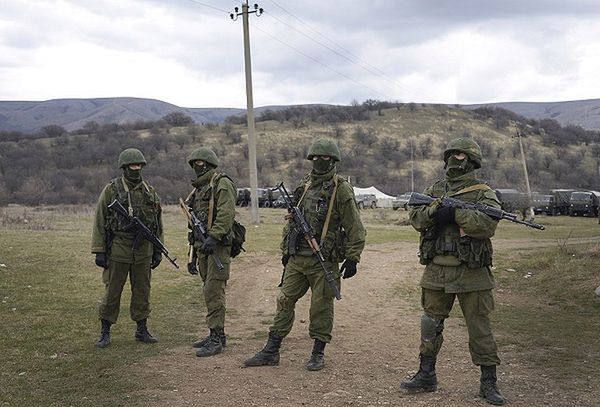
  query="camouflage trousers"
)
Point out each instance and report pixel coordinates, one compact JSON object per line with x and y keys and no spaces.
{"x":302,"y":273}
{"x":214,"y":282}
{"x":476,"y":307}
{"x":114,"y":279}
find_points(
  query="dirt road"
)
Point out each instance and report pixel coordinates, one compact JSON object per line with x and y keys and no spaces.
{"x":374,"y":347}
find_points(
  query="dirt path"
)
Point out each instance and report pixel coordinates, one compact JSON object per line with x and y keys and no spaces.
{"x":374,"y":347}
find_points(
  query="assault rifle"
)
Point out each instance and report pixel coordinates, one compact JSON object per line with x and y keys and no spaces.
{"x":142,"y":231}
{"x":417,"y":199}
{"x":200,"y":234}
{"x":304,"y":228}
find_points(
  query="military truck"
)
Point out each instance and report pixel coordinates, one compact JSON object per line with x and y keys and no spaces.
{"x":543,"y":204}
{"x":562,"y":201}
{"x":584,"y":203}
{"x":366,"y":201}
{"x":514,"y":201}
{"x":243,"y":197}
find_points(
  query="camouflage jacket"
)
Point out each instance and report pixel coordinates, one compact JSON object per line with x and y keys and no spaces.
{"x":458,"y":256}
{"x":108,"y":232}
{"x":345,"y":237}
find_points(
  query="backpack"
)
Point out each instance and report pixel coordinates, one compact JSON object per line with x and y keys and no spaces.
{"x":239,"y":237}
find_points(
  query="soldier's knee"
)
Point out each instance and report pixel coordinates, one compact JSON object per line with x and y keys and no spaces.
{"x":285,"y":303}
{"x":431,"y":327}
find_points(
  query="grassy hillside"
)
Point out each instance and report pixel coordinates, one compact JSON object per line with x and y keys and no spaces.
{"x":376,"y":150}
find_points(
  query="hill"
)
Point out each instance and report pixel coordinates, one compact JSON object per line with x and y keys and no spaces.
{"x":73,"y":114}
{"x":376,"y":150}
{"x":584,"y":113}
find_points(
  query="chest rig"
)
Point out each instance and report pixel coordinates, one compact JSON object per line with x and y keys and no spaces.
{"x":447,"y":242}
{"x":317,"y":201}
{"x":140,"y":201}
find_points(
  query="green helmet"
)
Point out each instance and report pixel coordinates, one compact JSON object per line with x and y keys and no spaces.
{"x":324,"y":146}
{"x":131,"y":156}
{"x":467,"y":146}
{"x":205,"y":154}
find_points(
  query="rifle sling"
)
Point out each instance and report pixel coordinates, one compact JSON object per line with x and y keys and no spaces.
{"x":329,"y":209}
{"x":472,"y":188}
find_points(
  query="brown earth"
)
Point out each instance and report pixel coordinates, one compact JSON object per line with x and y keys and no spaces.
{"x":374,"y":347}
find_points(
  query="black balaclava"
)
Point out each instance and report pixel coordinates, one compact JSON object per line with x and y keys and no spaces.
{"x":456,"y":168}
{"x":133,"y":176}
{"x":200,"y":170}
{"x":321,"y":166}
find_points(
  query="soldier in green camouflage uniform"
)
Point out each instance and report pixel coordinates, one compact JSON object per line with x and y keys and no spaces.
{"x":212,"y":200}
{"x":321,"y":193}
{"x":455,"y":246}
{"x":113,"y":246}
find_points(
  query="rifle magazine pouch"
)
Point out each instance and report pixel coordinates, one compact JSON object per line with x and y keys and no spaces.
{"x":427,"y":246}
{"x":476,"y":253}
{"x":290,"y":241}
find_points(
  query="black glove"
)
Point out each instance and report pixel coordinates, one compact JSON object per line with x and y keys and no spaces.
{"x":102,"y":260}
{"x":191,"y":238}
{"x":284,"y":259}
{"x":348,"y":269}
{"x":444,"y":215}
{"x":156,"y":259}
{"x":209,"y":246}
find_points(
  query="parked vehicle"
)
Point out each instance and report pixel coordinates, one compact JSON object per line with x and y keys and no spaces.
{"x":366,"y":201}
{"x":401,"y":201}
{"x":543,"y":204}
{"x":243,"y":197}
{"x":584,"y":203}
{"x":562,"y":201}
{"x":513,"y":201}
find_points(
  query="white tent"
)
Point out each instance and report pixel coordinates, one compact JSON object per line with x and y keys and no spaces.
{"x":383,"y":200}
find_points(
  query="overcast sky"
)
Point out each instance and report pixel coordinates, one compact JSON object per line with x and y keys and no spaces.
{"x":190,"y":53}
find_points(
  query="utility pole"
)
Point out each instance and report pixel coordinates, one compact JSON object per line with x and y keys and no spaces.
{"x":412,"y":167}
{"x":250,"y":105}
{"x":529,"y":197}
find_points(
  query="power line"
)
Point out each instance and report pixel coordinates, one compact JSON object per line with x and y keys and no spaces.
{"x":321,"y":63}
{"x":354,"y":58}
{"x":209,"y":6}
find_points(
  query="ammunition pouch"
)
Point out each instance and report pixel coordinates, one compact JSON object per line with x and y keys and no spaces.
{"x":427,"y":246}
{"x":476,"y":253}
{"x":290,"y":241}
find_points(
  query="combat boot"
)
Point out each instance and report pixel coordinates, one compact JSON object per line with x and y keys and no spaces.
{"x":488,"y":389}
{"x":425,"y":380}
{"x":200,"y":343}
{"x":269,"y":356}
{"x":142,"y":334}
{"x":213,"y":345}
{"x":317,"y":359}
{"x":104,"y":339}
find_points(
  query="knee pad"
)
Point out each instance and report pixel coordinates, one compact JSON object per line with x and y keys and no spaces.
{"x":430,"y":327}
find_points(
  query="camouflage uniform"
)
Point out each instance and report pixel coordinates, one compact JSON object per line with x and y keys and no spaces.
{"x":343,"y":239}
{"x":456,"y":248}
{"x":113,"y":243}
{"x":211,"y":186}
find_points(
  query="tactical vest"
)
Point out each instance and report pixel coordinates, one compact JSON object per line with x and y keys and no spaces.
{"x":446,"y":241}
{"x":141,"y":201}
{"x":315,"y":204}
